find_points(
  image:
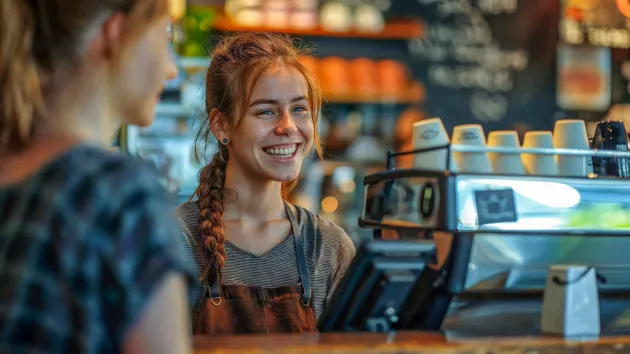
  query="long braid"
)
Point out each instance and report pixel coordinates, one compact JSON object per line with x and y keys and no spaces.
{"x":211,"y":197}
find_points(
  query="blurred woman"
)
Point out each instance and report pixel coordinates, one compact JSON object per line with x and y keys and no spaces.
{"x":89,"y":261}
{"x":264,"y":265}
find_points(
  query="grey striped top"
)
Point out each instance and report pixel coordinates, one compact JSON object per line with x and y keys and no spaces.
{"x":327,"y":248}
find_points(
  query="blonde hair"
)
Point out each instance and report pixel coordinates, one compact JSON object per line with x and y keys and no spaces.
{"x":37,"y":37}
{"x":245,"y":56}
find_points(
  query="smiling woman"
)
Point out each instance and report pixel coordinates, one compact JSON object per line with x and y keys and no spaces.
{"x":250,"y":245}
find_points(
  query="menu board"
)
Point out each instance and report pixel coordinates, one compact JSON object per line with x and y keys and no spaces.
{"x":474,"y":57}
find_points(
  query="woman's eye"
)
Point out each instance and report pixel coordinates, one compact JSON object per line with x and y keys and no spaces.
{"x":299,"y":109}
{"x":265,"y":112}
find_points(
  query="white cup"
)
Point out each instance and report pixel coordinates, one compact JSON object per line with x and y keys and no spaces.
{"x":541,"y":165}
{"x":471,"y":162}
{"x":501,"y":163}
{"x":430,"y":133}
{"x":571,"y":134}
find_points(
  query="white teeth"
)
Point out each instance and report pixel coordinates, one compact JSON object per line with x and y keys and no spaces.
{"x":286,"y":151}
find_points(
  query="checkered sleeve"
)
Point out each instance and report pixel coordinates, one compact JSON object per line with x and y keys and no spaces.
{"x":143,"y":248}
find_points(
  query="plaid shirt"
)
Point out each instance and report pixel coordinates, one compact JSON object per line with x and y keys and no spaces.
{"x":83,"y":244}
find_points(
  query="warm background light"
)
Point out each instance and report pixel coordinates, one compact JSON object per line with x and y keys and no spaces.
{"x":330,"y":204}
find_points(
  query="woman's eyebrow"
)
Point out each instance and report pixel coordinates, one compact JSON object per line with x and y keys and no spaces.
{"x":272,"y":101}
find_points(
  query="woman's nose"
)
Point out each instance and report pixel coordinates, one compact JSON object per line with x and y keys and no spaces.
{"x":172,"y":69}
{"x":286,"y":125}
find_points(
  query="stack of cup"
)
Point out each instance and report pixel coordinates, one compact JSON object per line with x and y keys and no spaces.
{"x":504,"y":163}
{"x":571,"y":134}
{"x":537,"y":164}
{"x":471,"y":162}
{"x":430,"y":133}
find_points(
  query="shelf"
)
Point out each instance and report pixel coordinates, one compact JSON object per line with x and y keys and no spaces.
{"x":394,"y":29}
{"x":414,"y":94}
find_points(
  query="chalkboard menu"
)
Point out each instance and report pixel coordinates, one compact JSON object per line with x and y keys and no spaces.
{"x":488,"y":61}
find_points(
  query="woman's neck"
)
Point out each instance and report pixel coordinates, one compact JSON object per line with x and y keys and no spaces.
{"x":254,"y":200}
{"x":88,"y":118}
{"x":83,"y":108}
{"x":53,"y":139}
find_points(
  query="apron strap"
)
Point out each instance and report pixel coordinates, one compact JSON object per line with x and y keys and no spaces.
{"x":301,"y":260}
{"x":215,"y":292}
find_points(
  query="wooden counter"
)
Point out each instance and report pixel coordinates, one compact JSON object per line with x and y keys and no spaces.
{"x":402,"y":343}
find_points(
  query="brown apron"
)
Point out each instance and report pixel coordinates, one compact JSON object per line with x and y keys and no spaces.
{"x":237,"y":309}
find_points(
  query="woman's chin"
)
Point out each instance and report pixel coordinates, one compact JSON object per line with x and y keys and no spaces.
{"x":142,"y":116}
{"x":287,"y":179}
{"x":283,"y":173}
{"x":284,"y":177}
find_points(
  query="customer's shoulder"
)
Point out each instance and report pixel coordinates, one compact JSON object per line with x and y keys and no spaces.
{"x":102,"y":167}
{"x":110,"y":163}
{"x":94,"y":189}
{"x":101,"y":178}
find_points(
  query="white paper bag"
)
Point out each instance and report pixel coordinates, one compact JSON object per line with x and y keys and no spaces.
{"x":571,"y":302}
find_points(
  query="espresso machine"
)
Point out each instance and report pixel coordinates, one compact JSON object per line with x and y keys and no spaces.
{"x":504,"y":233}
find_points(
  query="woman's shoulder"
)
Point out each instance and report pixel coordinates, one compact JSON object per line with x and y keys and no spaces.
{"x":89,"y":178}
{"x":103,"y":166}
{"x":328,"y":247}
{"x":107,"y":192}
{"x":324,"y":234}
{"x":113,"y":189}
{"x":188,"y":217}
{"x":87,"y":158}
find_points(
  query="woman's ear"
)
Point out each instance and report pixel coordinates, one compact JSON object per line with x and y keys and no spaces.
{"x":218,"y":124}
{"x":108,"y":42}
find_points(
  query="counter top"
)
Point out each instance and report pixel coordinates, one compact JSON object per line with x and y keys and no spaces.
{"x":402,"y":343}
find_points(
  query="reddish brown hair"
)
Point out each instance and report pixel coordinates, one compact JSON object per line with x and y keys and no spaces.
{"x":237,"y":64}
{"x":39,"y":37}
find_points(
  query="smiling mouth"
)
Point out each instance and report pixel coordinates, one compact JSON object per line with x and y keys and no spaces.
{"x":282,"y":151}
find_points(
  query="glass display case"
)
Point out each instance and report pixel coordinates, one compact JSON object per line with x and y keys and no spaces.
{"x":170,"y":145}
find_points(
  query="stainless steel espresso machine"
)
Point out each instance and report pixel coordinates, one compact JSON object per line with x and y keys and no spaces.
{"x":504,"y":233}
